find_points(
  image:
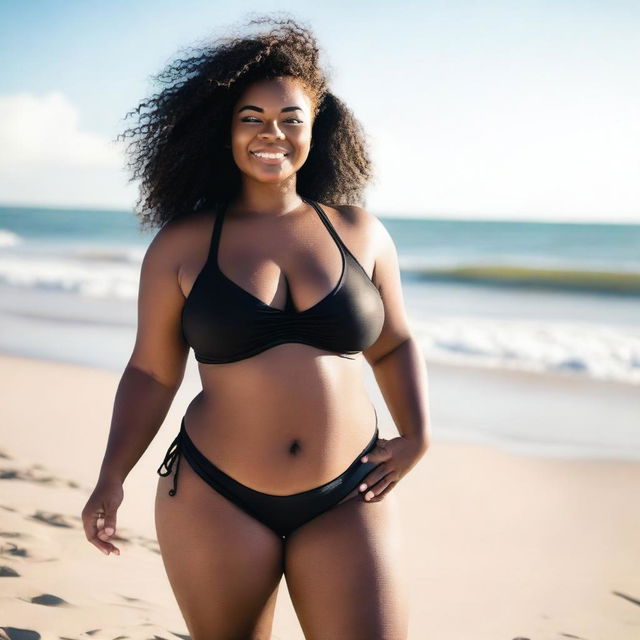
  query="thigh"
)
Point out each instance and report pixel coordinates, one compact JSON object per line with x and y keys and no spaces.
{"x":345,"y":572}
{"x":223,"y":565}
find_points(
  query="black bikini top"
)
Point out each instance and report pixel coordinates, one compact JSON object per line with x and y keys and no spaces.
{"x":223,"y":322}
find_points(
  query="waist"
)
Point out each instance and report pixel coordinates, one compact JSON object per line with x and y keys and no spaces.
{"x":284,"y":444}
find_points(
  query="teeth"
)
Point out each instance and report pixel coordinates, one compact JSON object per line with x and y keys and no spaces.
{"x":262,"y":154}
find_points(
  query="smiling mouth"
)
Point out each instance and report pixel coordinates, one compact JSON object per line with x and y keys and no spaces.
{"x":269,"y":158}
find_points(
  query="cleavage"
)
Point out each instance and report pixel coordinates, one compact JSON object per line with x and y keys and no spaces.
{"x":296,"y":277}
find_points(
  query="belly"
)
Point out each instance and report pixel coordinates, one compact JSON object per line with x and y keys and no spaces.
{"x":284,"y":421}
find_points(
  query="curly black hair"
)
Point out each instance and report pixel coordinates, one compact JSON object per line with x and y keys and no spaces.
{"x":180,"y":146}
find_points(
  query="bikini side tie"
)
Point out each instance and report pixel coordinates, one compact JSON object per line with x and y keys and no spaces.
{"x":171,"y":456}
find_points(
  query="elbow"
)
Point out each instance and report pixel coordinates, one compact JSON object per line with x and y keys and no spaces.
{"x":171,"y":383}
{"x":395,"y":347}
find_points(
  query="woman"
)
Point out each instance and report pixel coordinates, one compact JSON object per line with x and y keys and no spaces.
{"x":282,"y":298}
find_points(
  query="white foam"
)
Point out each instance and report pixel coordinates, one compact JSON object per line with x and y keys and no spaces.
{"x":92,"y":278}
{"x":597,"y":351}
{"x":9,"y":238}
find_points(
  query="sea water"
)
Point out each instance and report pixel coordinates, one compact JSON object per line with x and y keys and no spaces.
{"x":488,"y":296}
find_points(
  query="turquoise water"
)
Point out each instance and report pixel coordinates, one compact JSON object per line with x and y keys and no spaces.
{"x":508,"y":295}
{"x":588,"y":257}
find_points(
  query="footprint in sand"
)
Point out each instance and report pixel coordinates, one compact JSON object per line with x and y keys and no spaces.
{"x":13,"y":633}
{"x":13,"y":549}
{"x":35,"y":474}
{"x":147,"y":543}
{"x":54,"y":519}
{"x":49,"y":600}
{"x":10,"y":547}
{"x":626,"y":597}
{"x":129,"y":599}
{"x":8,"y":572}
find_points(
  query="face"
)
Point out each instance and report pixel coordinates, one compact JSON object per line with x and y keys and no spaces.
{"x":272,"y":117}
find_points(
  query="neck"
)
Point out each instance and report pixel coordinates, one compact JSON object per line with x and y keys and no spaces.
{"x":258,"y":198}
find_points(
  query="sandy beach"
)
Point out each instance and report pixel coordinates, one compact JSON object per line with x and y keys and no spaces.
{"x":499,"y":545}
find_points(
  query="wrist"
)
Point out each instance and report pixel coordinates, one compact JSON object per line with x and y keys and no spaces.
{"x":110,"y":476}
{"x":420,"y":442}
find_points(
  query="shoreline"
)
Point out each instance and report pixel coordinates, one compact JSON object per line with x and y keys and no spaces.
{"x":548,"y":415}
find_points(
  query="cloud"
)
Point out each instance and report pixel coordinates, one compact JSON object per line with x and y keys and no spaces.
{"x":47,"y":160}
{"x":40,"y":131}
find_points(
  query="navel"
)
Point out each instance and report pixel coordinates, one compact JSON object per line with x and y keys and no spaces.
{"x":294,"y":448}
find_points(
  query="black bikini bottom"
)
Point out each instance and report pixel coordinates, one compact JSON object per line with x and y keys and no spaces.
{"x":281,"y":513}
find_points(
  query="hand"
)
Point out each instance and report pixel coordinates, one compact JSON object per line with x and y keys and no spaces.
{"x":396,"y":457}
{"x":99,"y":515}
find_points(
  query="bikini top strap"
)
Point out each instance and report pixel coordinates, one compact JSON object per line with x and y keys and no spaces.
{"x":343,"y":247}
{"x":217,"y":230}
{"x":327,"y":224}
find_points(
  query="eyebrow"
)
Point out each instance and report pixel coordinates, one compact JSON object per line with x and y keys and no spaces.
{"x":261,"y":110}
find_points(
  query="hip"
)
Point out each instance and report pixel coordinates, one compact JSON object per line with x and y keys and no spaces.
{"x":279,"y":450}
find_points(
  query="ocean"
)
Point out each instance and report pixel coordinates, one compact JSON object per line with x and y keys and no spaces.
{"x":495,"y":296}
{"x":534,"y":296}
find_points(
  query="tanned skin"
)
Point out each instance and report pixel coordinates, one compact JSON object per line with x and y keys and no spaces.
{"x":286,"y":420}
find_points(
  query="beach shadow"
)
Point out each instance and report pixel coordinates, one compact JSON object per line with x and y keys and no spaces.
{"x":13,"y":633}
{"x":8,"y":572}
{"x":14,"y":550}
{"x":49,"y":600}
{"x":626,"y":597}
{"x":34,"y":474}
{"x":53,"y":519}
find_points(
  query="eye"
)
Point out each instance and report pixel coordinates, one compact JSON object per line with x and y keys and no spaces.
{"x":254,"y":119}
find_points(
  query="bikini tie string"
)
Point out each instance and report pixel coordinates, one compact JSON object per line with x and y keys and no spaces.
{"x":173,"y":454}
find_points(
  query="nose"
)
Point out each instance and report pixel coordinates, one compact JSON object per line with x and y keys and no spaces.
{"x":270,"y":130}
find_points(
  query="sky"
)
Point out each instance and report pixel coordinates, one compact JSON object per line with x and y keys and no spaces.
{"x":514,"y":110}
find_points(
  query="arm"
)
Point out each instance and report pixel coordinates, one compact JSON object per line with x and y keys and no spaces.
{"x":395,"y":357}
{"x":156,"y":367}
{"x":148,"y":385}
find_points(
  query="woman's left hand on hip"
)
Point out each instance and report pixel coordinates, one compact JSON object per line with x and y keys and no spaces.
{"x":395,"y":457}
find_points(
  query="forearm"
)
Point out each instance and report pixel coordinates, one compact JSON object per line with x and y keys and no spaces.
{"x":402,"y":377}
{"x":140,"y":407}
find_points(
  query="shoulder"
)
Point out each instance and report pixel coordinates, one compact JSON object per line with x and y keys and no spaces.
{"x":366,"y":224}
{"x":176,"y":238}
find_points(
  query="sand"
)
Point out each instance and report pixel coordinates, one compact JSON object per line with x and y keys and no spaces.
{"x":501,"y":545}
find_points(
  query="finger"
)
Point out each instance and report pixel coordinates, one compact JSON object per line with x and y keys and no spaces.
{"x":105,"y":547}
{"x":374,"y":477}
{"x":379,"y":491}
{"x":107,"y":527}
{"x":93,"y":523}
{"x":88,"y":525}
{"x":378,"y":453}
{"x":102,"y":539}
{"x":107,"y":530}
{"x":90,"y":522}
{"x":92,"y":531}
